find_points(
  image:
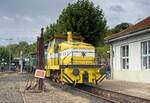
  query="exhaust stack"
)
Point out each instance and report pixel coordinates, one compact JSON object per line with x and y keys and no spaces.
{"x":69,"y":36}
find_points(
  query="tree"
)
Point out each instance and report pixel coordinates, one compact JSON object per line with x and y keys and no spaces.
{"x":102,"y":50}
{"x":32,"y":48}
{"x":23,"y":46}
{"x":4,"y":55}
{"x":118,"y":28}
{"x":49,"y":32}
{"x":84,"y":18}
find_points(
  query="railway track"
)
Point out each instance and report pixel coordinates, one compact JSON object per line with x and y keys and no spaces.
{"x":103,"y":94}
{"x":92,"y":93}
{"x":112,"y":96}
{"x":71,"y":89}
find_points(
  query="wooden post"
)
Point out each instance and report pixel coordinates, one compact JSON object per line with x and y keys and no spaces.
{"x":40,"y":56}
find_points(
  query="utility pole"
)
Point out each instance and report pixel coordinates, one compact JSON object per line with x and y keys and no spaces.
{"x":40,"y":56}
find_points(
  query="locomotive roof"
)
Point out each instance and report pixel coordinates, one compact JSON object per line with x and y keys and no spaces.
{"x":66,"y":45}
{"x":64,"y":36}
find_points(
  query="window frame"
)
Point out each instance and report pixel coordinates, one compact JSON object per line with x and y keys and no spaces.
{"x":124,"y":56}
{"x":147,"y":55}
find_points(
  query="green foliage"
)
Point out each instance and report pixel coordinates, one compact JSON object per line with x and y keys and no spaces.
{"x":84,"y":18}
{"x":49,"y":32}
{"x":120,"y":27}
{"x":15,"y":49}
{"x":4,"y":55}
{"x":103,"y":51}
{"x":32,"y":48}
{"x":117,"y":28}
{"x":25,"y":48}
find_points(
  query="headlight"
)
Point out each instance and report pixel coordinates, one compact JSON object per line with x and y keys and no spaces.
{"x":75,"y":71}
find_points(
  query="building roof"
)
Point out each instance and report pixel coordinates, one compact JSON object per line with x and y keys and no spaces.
{"x":142,"y":25}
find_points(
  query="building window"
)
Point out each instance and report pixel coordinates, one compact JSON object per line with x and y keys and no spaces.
{"x":146,"y":55}
{"x":125,"y":57}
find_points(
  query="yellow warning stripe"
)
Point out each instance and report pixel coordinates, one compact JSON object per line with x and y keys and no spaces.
{"x":101,"y":78}
{"x":67,"y":78}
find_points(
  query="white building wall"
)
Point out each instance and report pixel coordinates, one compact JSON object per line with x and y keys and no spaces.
{"x":135,"y":73}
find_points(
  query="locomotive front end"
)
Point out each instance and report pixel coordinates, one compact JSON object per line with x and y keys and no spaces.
{"x":79,"y":64}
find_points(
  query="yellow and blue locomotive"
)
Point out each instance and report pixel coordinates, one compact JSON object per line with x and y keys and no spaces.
{"x":71,"y":61}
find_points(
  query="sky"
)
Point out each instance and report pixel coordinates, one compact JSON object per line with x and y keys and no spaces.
{"x":21,"y":20}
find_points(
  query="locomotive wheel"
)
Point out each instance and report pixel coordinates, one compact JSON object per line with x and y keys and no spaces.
{"x":56,"y":76}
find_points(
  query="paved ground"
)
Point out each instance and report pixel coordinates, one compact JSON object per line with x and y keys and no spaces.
{"x":12,"y":87}
{"x":9,"y":88}
{"x":58,"y":95}
{"x":131,"y":88}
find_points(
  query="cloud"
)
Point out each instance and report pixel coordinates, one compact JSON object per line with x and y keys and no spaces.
{"x":117,"y":8}
{"x":6,"y":19}
{"x":117,"y":11}
{"x":26,"y":18}
{"x":22,"y":19}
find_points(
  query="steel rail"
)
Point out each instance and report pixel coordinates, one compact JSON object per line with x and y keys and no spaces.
{"x":104,"y":94}
{"x":81,"y":91}
{"x":97,"y":96}
{"x":113,"y":95}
